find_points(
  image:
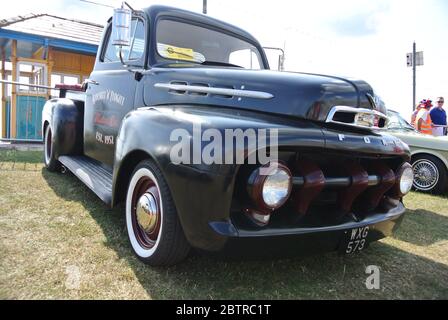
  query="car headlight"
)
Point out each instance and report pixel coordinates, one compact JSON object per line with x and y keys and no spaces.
{"x":272,"y":189}
{"x":276,"y":188}
{"x":406,"y":179}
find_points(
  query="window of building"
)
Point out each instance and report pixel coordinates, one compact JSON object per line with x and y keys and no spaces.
{"x":58,"y":78}
{"x":32,"y":73}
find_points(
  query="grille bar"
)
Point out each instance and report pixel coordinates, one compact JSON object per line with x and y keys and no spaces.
{"x":338,"y":182}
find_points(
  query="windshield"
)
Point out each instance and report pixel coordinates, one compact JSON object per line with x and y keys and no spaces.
{"x":186,"y":42}
{"x":396,"y":122}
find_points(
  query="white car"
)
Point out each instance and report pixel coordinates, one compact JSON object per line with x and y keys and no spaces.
{"x":429,"y":155}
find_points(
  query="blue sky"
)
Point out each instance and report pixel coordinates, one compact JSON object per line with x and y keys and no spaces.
{"x":364,"y":39}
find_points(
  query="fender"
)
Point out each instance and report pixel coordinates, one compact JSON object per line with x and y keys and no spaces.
{"x":147,"y":131}
{"x":431,"y":152}
{"x":66,"y":119}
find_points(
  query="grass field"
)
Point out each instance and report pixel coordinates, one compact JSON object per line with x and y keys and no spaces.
{"x":58,"y":240}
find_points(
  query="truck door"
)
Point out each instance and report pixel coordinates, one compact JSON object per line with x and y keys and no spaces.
{"x":110,"y":93}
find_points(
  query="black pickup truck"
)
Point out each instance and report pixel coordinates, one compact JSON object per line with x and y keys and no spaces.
{"x":157,"y":127}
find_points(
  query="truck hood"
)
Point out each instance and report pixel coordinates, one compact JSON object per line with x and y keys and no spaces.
{"x":302,"y":95}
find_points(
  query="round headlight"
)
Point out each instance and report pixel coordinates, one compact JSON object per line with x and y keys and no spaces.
{"x":271,"y":189}
{"x":406,"y":180}
{"x":276,"y":188}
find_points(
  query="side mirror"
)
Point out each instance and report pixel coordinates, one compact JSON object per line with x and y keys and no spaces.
{"x":121,"y":27}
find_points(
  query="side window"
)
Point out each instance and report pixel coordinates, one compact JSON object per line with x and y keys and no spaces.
{"x":111,"y":54}
{"x":394,"y":122}
{"x":245,"y":58}
{"x":137,"y":47}
{"x":134,"y":51}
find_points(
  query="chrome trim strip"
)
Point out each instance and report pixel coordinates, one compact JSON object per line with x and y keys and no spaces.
{"x":374,"y":180}
{"x":355,"y":111}
{"x":220,"y":91}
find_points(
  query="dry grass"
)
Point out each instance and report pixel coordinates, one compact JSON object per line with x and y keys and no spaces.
{"x":51,"y":225}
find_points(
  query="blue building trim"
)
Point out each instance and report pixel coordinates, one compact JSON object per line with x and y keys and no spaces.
{"x":45,"y":41}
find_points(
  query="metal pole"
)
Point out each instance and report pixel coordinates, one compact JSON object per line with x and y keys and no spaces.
{"x":414,"y":69}
{"x":204,"y":6}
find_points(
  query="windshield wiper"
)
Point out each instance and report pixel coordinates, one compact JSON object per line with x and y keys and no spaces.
{"x":217,"y":63}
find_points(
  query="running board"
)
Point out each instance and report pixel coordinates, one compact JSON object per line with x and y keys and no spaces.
{"x":92,"y":173}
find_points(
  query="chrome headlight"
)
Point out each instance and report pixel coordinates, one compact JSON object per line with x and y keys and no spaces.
{"x":276,"y":188}
{"x":406,"y":179}
{"x":403,"y":181}
{"x":272,"y":190}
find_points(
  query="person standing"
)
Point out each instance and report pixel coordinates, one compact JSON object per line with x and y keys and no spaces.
{"x":423,"y":121}
{"x":414,"y":114}
{"x":438,"y":117}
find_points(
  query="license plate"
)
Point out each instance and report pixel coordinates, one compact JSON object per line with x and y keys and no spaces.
{"x":354,"y":240}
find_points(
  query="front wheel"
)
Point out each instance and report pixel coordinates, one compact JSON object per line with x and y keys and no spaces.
{"x":430,"y":174}
{"x":49,"y":159}
{"x":154,"y":230}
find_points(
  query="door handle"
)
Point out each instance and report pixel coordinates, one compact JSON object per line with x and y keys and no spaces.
{"x":90,"y":81}
{"x":86,"y":83}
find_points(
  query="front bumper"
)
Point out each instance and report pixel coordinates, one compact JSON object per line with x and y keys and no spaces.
{"x":305,"y":241}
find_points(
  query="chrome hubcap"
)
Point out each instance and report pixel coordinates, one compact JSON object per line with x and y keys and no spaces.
{"x":426,"y":175}
{"x":147,"y":212}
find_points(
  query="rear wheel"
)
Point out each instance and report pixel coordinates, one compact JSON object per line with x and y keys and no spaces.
{"x":430,"y":174}
{"x":50,"y":161}
{"x":154,"y":229}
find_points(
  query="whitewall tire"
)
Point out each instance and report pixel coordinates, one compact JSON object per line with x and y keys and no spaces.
{"x":154,"y":229}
